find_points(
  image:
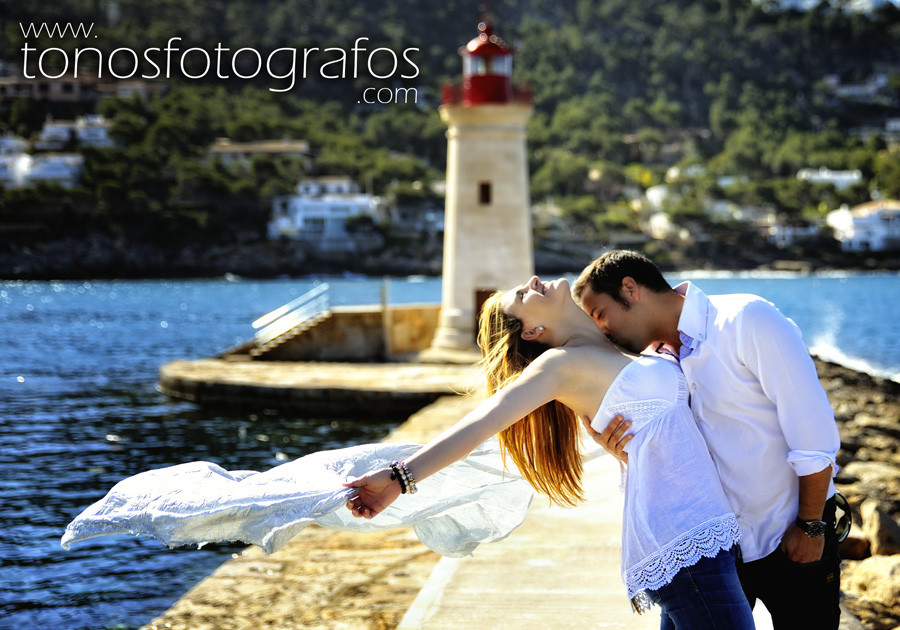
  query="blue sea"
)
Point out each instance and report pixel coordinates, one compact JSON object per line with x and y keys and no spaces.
{"x":78,"y":377}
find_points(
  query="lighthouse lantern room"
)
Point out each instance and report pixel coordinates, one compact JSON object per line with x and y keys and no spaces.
{"x":487,"y":68}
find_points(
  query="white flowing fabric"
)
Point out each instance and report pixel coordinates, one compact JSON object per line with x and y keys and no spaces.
{"x":470,"y":502}
{"x":675,"y":509}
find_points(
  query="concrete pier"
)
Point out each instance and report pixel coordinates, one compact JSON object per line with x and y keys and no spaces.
{"x":383,"y":390}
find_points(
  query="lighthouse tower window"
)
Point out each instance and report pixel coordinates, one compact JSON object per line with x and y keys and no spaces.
{"x":484,"y":193}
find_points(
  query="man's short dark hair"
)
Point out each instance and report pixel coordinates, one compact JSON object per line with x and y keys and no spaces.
{"x":605,"y":275}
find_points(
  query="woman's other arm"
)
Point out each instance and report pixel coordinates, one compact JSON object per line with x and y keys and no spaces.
{"x":538,"y":384}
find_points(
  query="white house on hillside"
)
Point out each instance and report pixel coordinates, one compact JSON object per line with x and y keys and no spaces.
{"x":317,"y":214}
{"x":840,"y":179}
{"x":86,"y":131}
{"x":232,"y":153}
{"x":93,"y":131}
{"x":12,"y":145}
{"x":13,"y":168}
{"x":56,"y":135}
{"x":873,"y":226}
{"x":63,"y":169}
{"x":784,"y":235}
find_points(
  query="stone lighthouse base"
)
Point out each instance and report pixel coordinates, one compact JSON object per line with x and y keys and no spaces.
{"x":454,"y":339}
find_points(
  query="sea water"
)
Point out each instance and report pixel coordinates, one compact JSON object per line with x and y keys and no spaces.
{"x":78,"y":372}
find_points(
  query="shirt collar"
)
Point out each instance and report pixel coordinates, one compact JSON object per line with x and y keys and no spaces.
{"x":694,"y":313}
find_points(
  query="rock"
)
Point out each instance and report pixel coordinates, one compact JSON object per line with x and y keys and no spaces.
{"x":882,"y":531}
{"x":888,"y":425}
{"x":875,"y":478}
{"x":849,"y":621}
{"x":875,"y":579}
{"x":855,"y":548}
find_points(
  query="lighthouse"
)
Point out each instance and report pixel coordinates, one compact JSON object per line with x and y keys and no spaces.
{"x":487,"y":219}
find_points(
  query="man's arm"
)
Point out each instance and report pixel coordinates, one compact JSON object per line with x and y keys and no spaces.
{"x":771,"y":347}
{"x":774,"y":350}
{"x":613,"y":438}
{"x":798,"y":546}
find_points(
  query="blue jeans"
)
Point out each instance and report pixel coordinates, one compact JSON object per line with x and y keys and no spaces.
{"x":705,"y":596}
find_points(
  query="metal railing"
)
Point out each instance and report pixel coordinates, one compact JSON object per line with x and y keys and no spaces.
{"x":305,"y":308}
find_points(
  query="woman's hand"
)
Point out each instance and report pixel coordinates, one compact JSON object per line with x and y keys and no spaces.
{"x":376,"y":491}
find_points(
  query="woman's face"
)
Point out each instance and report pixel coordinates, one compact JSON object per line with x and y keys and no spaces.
{"x":531,"y":302}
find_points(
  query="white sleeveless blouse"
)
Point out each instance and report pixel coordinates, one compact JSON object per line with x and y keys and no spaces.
{"x":675,"y":509}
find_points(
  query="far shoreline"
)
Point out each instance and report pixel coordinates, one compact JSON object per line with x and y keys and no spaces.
{"x":97,"y":255}
{"x":692,"y":271}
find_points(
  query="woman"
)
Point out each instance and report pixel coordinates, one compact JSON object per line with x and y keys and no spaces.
{"x":547,"y":364}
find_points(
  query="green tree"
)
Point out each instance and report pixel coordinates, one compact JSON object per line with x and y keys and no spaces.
{"x":887,"y":173}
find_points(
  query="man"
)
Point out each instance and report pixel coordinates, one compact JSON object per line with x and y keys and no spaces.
{"x":765,"y":417}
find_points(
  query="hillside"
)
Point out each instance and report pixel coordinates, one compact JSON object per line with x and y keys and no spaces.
{"x":622,"y":91}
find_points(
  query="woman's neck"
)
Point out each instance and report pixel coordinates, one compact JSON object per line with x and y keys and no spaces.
{"x":577,"y":328}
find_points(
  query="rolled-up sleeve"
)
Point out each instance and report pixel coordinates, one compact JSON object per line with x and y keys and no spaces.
{"x":772,"y":348}
{"x":811,"y":462}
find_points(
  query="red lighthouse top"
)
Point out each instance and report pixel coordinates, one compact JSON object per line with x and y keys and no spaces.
{"x":486,"y":44}
{"x":487,"y":69}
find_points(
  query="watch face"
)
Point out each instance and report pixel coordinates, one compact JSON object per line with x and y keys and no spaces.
{"x":813,"y":529}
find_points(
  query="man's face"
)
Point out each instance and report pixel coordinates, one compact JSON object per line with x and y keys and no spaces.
{"x":622,"y":325}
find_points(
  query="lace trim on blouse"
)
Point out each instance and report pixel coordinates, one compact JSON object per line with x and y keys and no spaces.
{"x":704,"y":541}
{"x":645,"y":411}
{"x":640,"y":412}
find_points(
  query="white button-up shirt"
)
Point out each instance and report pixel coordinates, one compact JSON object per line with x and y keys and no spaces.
{"x":760,"y":407}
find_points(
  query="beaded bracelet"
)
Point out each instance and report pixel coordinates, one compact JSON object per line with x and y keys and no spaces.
{"x":400,"y":472}
{"x":410,"y":482}
{"x":396,"y":474}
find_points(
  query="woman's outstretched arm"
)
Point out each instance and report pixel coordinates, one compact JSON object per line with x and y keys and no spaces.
{"x":538,"y":384}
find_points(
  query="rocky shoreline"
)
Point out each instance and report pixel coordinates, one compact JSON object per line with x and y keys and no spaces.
{"x":103,"y":256}
{"x":867,"y":410}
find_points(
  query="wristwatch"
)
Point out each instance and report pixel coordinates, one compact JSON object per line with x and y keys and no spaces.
{"x":813,"y":529}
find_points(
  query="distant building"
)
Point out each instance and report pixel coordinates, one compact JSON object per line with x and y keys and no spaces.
{"x":787,"y":235}
{"x":692,"y":171}
{"x":129,"y":88}
{"x":93,"y":131}
{"x":418,"y":218}
{"x":241,"y":153}
{"x":841,"y":180}
{"x":62,"y":90}
{"x":12,"y":145}
{"x":318,"y":215}
{"x":13,"y":168}
{"x":657,"y":196}
{"x":63,"y":169}
{"x":659,"y":226}
{"x":726,"y":181}
{"x":875,"y":89}
{"x":87,"y":87}
{"x":84,"y":131}
{"x":870,"y":227}
{"x":56,"y":135}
